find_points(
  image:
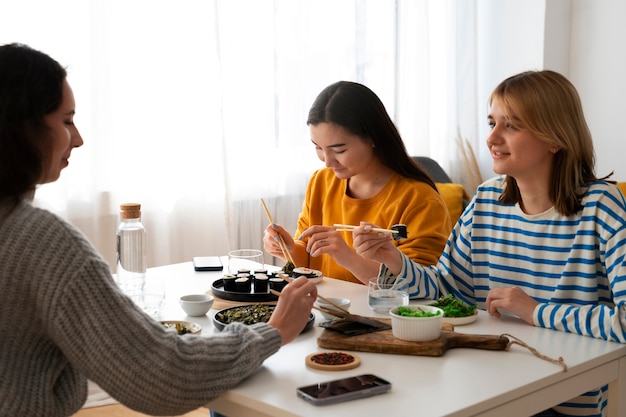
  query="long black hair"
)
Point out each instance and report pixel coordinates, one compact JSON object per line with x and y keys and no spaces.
{"x":31,"y":86}
{"x":359,"y":110}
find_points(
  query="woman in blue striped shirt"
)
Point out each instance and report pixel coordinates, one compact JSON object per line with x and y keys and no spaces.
{"x":546,"y":240}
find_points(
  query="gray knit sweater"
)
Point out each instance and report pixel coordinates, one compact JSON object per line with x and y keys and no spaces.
{"x":64,"y":320}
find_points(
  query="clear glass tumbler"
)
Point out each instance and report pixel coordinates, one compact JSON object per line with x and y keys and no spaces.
{"x":382,"y":297}
{"x":245,"y":259}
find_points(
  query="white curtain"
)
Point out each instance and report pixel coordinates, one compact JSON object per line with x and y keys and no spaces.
{"x":197,"y":109}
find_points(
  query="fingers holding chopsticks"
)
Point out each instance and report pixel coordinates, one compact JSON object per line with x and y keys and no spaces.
{"x":293,"y":308}
{"x":272,"y":241}
{"x":326,"y":240}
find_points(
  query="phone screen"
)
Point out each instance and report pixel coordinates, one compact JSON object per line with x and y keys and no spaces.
{"x":345,"y":389}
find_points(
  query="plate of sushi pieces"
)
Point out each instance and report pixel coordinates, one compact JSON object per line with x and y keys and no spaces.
{"x":250,"y":286}
{"x":255,"y":286}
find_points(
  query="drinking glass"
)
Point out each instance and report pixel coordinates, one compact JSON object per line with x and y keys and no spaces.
{"x":382,"y":297}
{"x":152,"y":296}
{"x":249,"y":259}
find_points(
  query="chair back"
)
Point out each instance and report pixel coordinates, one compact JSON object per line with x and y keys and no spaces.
{"x":433,"y":168}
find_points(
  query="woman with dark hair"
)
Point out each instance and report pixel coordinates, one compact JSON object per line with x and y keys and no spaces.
{"x":369,"y":176}
{"x":545,"y":240}
{"x":63,"y":317}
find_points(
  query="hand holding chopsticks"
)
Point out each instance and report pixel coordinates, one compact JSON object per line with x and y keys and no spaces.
{"x":326,"y":300}
{"x":281,"y":241}
{"x":340,"y":312}
{"x":322,"y":309}
{"x":293,"y":308}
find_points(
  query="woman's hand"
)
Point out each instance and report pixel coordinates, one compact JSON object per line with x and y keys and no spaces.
{"x":326,"y":240}
{"x":293,"y":308}
{"x":377,"y":246}
{"x":513,"y":299}
{"x":271,"y":240}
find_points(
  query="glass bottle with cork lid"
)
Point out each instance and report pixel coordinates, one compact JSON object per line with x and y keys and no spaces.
{"x":131,"y":251}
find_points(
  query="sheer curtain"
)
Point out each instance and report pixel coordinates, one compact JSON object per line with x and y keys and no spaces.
{"x":197,"y":109}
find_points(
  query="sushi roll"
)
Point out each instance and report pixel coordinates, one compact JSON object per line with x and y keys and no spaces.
{"x":301,"y":271}
{"x":307,"y":272}
{"x":277,"y":284}
{"x":260,"y":283}
{"x":229,"y":282}
{"x":401,"y":231}
{"x":243,"y":284}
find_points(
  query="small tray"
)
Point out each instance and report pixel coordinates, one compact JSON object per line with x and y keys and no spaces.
{"x":217,"y":287}
{"x":355,"y":361}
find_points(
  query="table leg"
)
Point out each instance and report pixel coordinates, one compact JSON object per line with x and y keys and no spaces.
{"x":617,"y":402}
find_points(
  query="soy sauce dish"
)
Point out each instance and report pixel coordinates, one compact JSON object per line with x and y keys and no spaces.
{"x":416,"y":323}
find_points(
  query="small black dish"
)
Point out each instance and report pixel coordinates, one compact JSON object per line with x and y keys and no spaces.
{"x":217,"y":287}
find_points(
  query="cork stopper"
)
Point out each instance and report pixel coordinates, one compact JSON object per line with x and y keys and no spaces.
{"x":130,"y":211}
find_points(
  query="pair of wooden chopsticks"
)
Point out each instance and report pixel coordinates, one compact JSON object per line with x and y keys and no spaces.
{"x":348,"y":227}
{"x":342,"y":313}
{"x":281,"y":241}
{"x":283,"y":246}
{"x":319,"y":297}
{"x":322,"y":309}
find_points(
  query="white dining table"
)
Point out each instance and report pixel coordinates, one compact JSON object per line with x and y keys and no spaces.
{"x":461,"y":382}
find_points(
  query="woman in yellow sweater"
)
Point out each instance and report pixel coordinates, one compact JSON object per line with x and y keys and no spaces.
{"x":370,"y":177}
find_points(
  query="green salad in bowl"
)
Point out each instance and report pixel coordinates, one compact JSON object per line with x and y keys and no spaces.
{"x":456,"y":311}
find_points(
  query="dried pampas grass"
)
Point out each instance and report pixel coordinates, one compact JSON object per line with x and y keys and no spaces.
{"x":471,"y":177}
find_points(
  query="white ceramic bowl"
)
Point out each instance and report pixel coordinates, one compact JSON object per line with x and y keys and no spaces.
{"x":343,"y":302}
{"x":196,"y":304}
{"x":416,"y":329}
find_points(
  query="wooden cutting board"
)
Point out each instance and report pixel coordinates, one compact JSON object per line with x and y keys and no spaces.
{"x":384,"y":342}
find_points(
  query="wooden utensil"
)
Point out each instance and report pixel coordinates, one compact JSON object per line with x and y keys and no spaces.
{"x":341,"y":312}
{"x":384,"y":342}
{"x":348,"y":227}
{"x":398,"y":231}
{"x":281,"y":241}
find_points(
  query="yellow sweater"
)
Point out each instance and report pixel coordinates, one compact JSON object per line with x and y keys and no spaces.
{"x":401,"y":201}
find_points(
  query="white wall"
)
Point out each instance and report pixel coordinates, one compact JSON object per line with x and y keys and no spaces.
{"x":598,"y":69}
{"x":582,"y":39}
{"x":510,"y":40}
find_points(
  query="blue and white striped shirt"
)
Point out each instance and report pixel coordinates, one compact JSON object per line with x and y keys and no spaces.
{"x":574,"y":266}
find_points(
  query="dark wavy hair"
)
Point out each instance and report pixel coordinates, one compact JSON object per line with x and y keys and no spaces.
{"x":31,"y":86}
{"x":358,"y":109}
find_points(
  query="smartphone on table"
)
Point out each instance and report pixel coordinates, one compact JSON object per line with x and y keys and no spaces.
{"x":207,"y":263}
{"x":345,"y":389}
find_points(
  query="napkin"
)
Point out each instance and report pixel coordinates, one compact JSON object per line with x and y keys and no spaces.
{"x":353,"y":328}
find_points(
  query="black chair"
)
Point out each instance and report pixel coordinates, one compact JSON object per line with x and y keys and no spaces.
{"x":433,"y":168}
{"x":437,"y":173}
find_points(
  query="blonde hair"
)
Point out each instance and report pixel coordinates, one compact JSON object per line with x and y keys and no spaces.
{"x":549,"y":107}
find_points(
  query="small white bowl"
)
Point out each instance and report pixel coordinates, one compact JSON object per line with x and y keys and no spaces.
{"x":196,"y":304}
{"x":340,"y":301}
{"x":416,"y":329}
